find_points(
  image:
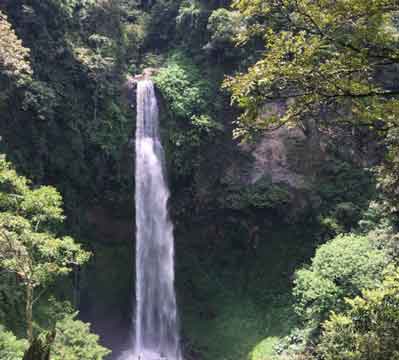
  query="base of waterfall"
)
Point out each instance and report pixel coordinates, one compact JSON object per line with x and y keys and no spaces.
{"x":143,"y":355}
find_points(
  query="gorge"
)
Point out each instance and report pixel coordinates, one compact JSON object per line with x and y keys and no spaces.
{"x":222,"y":210}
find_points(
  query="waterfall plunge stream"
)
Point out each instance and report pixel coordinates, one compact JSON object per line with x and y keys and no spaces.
{"x":156,"y":330}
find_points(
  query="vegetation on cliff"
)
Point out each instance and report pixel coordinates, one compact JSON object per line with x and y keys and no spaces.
{"x":279,"y":120}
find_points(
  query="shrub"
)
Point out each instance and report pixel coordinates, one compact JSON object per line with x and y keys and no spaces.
{"x":223,"y":26}
{"x":190,"y":105}
{"x":181,"y":83}
{"x":340,"y":268}
{"x":262,"y":194}
{"x":369,"y":329}
{"x":74,"y":341}
{"x":10,"y":347}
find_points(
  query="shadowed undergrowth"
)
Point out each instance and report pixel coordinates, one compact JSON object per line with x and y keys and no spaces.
{"x":239,"y":328}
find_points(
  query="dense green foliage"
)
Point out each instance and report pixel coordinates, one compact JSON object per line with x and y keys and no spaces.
{"x":369,"y":329}
{"x":262,"y":194}
{"x":281,"y":239}
{"x":74,"y":341}
{"x":340,"y":268}
{"x":189,"y":104}
{"x":29,"y":245}
{"x":31,"y":248}
{"x":10,"y":347}
{"x":73,"y":110}
{"x":319,"y":56}
{"x":13,"y":55}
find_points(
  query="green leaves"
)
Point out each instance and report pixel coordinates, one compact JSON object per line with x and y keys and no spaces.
{"x":190,"y":106}
{"x":318,"y":56}
{"x":223,"y":26}
{"x":368,"y":329}
{"x":10,"y":347}
{"x":36,"y":257}
{"x":263,"y":194}
{"x":181,"y":84}
{"x":74,"y":341}
{"x":29,"y":246}
{"x":14,"y":57}
{"x":12,"y":186}
{"x":340,"y":268}
{"x":43,"y":205}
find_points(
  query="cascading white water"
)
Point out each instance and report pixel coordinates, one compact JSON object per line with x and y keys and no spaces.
{"x":156,"y":328}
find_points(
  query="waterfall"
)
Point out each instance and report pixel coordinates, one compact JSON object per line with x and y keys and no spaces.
{"x":156,"y":329}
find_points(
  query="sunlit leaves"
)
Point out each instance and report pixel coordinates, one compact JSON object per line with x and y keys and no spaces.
{"x":224,"y":26}
{"x":10,"y":347}
{"x":369,"y":329}
{"x":14,"y":57}
{"x":183,"y":87}
{"x":29,"y":244}
{"x":317,"y":56}
{"x":189,"y":100}
{"x":340,"y":268}
{"x":74,"y":341}
{"x":43,"y":205}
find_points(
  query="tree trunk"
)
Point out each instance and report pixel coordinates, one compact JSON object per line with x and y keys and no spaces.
{"x":76,"y":286}
{"x":28,"y":312}
{"x":40,"y":348}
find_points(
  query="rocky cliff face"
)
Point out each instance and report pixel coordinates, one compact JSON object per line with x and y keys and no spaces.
{"x":275,"y":156}
{"x":233,"y":209}
{"x":286,"y":159}
{"x":297,"y":161}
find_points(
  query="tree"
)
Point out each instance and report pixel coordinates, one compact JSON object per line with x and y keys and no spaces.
{"x":14,"y":57}
{"x":40,"y":347}
{"x":325,"y":59}
{"x":30,"y":245}
{"x":223,"y":26}
{"x":74,"y":341}
{"x":369,"y":329}
{"x":191,"y":23}
{"x":97,"y":65}
{"x":340,"y":268}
